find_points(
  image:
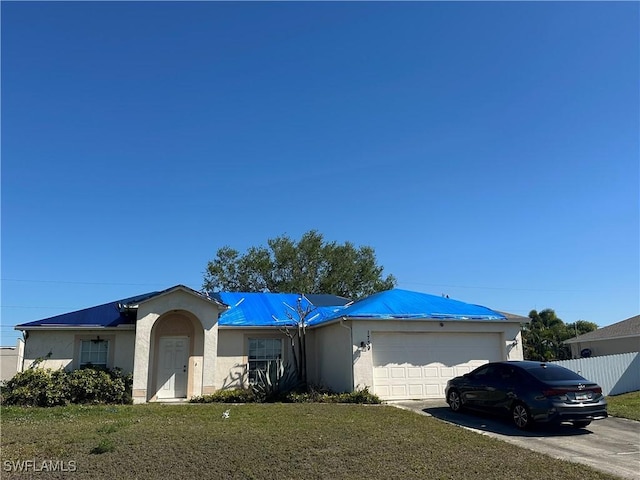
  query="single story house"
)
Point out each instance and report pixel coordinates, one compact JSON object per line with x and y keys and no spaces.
{"x":181,"y":343}
{"x":620,"y":337}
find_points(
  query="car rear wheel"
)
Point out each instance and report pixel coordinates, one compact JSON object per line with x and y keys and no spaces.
{"x":581,"y":423}
{"x":454,"y":401}
{"x":521,"y":416}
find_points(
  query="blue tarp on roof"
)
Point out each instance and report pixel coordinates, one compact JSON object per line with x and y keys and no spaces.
{"x":110,"y":314}
{"x":268,"y":309}
{"x":273,"y":309}
{"x":396,"y":303}
{"x":107,"y":315}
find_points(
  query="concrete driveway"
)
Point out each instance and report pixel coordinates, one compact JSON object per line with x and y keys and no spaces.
{"x":611,"y":445}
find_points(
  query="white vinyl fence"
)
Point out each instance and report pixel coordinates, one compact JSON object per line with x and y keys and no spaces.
{"x":616,"y":374}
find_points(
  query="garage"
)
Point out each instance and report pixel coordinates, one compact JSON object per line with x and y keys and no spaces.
{"x":418,"y":365}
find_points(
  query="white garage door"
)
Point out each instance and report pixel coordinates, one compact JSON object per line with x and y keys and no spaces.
{"x":418,"y":365}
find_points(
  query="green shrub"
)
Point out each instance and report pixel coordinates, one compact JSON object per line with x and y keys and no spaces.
{"x":88,"y":385}
{"x":359,"y":396}
{"x":117,"y":375}
{"x":36,"y":387}
{"x":322,"y":395}
{"x":311,"y":394}
{"x":237,"y":395}
{"x":275,"y":383}
{"x":40,"y":387}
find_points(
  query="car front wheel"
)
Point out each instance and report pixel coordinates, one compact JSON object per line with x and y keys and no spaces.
{"x":454,"y":401}
{"x":521,"y":417}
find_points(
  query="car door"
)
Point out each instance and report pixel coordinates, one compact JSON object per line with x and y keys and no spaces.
{"x":501,"y":387}
{"x":475,"y":389}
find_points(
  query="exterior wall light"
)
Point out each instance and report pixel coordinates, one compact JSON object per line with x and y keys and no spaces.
{"x":366,"y":345}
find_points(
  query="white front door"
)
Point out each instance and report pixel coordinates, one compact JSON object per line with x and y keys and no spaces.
{"x":172,"y":367}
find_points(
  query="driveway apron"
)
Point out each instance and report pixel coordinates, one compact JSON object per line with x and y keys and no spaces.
{"x":611,"y":445}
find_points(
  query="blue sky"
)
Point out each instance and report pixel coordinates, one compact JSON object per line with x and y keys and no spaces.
{"x":488,"y":151}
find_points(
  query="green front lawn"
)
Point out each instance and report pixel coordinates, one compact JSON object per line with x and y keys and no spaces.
{"x":626,"y":405}
{"x":276,"y":441}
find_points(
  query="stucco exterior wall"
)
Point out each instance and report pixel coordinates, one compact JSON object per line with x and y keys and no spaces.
{"x":59,"y":343}
{"x":11,"y":360}
{"x":124,"y":352}
{"x":202,"y":369}
{"x":332,"y":355}
{"x":233,"y":354}
{"x":363,"y":330}
{"x":611,"y":346}
{"x":64,"y":347}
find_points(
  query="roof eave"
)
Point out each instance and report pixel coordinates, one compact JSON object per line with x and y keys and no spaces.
{"x":253,"y":327}
{"x":580,"y":340}
{"x":413,"y":319}
{"x":24,"y":328}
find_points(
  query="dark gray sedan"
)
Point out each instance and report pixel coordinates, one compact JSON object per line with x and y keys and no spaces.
{"x":529,"y":392}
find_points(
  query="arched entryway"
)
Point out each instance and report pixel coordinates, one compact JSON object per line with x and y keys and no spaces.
{"x":177,"y":345}
{"x":191,"y":318}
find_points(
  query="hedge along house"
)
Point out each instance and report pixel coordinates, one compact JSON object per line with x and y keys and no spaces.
{"x":181,"y":343}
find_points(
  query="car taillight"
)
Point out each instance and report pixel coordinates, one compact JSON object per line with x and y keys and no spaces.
{"x":562,"y":392}
{"x":554,"y":392}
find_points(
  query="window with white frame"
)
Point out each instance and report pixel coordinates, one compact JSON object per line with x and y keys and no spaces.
{"x":94,"y":353}
{"x":263,"y":353}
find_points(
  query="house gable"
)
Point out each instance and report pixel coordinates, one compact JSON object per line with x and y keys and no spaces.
{"x":626,"y":328}
{"x":620,"y":337}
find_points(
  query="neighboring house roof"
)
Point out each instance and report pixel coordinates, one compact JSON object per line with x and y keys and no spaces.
{"x":273,"y":309}
{"x":626,"y":328}
{"x":108,"y":315}
{"x":404,"y":304}
{"x":513,"y":316}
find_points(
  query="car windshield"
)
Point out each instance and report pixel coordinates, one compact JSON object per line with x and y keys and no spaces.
{"x":553,"y":372}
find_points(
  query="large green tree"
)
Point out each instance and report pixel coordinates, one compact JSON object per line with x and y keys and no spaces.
{"x":545,"y":335}
{"x":309,"y":265}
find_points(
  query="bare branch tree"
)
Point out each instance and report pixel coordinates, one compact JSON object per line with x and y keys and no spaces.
{"x":299,"y":316}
